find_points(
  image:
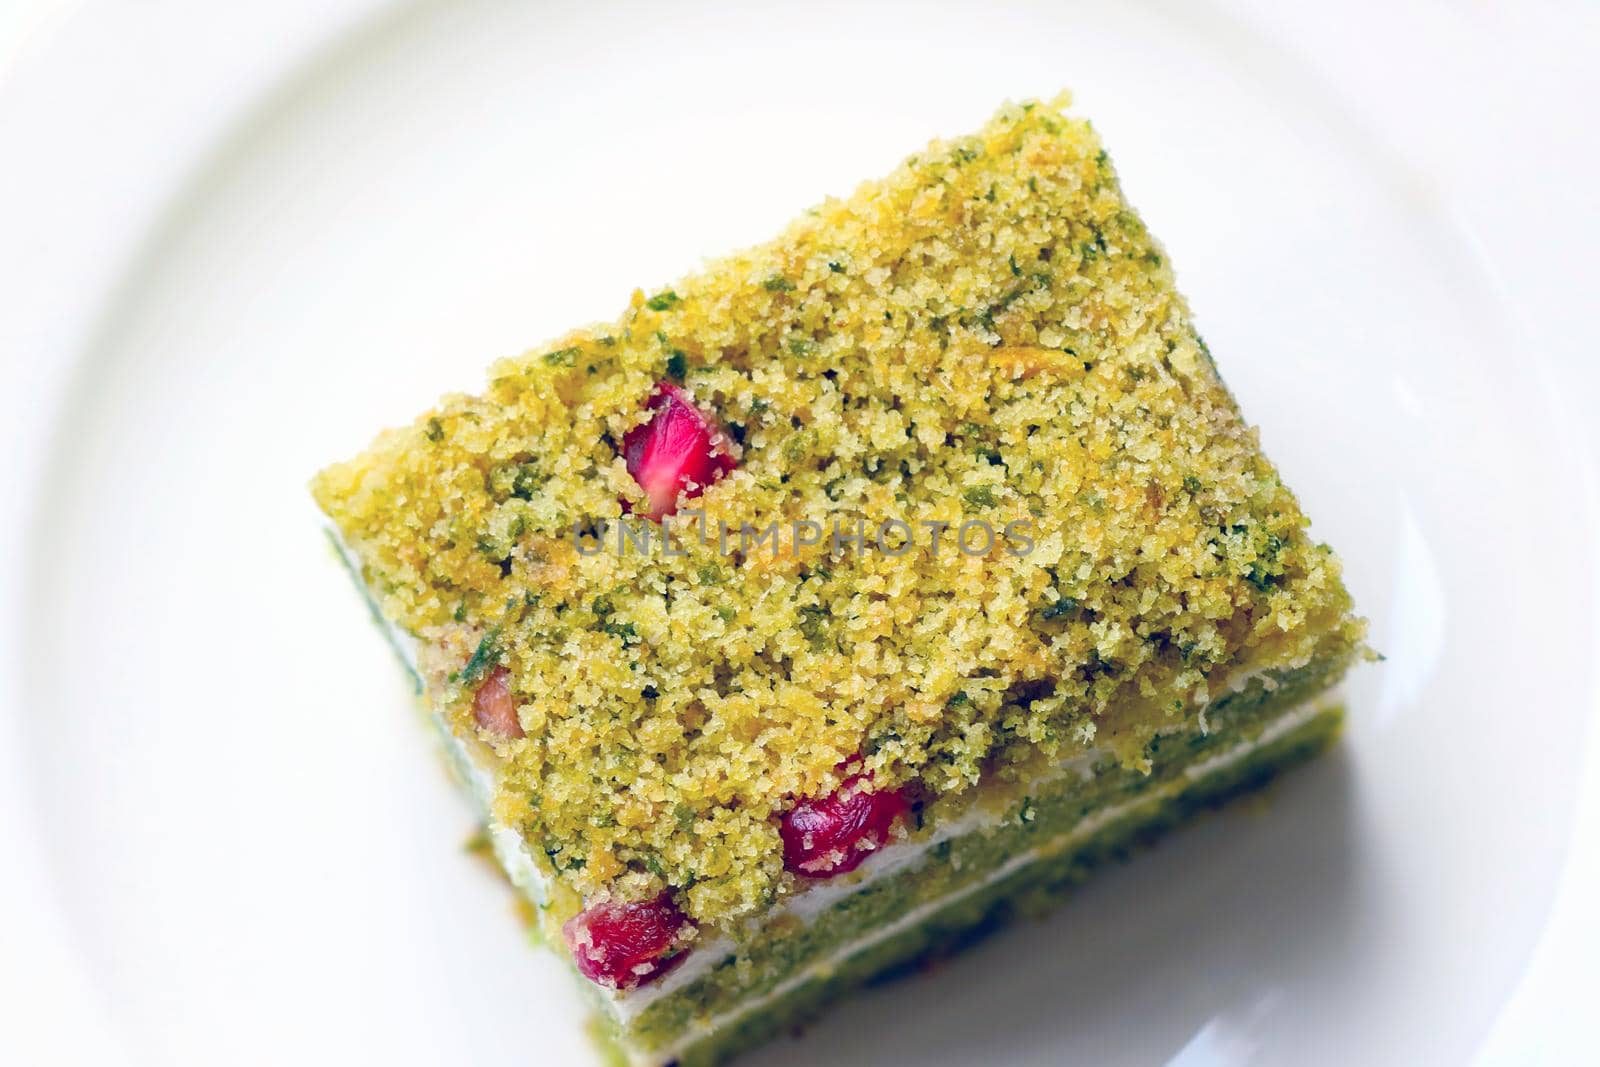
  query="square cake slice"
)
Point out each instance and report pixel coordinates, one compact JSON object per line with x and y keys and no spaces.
{"x":852,"y":592}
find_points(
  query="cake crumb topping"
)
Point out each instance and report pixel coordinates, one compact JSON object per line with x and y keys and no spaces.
{"x":987,"y":339}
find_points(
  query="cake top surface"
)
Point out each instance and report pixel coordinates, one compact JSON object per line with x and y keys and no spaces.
{"x":988,"y":337}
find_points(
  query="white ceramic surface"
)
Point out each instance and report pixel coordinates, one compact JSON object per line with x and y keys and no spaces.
{"x":252,"y":849}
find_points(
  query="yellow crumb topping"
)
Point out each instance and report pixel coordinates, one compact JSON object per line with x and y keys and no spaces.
{"x":988,"y":335}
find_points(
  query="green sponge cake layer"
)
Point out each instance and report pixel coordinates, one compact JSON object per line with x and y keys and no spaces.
{"x":1003,"y":832}
{"x":1031,"y":879}
{"x":830,"y":599}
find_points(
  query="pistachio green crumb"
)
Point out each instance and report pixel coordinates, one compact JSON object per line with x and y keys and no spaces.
{"x":987,"y":333}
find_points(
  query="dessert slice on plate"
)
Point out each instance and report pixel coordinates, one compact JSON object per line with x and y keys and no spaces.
{"x":851,"y":593}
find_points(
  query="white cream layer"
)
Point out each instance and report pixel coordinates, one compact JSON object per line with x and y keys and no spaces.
{"x":1086,"y":828}
{"x":820,"y":896}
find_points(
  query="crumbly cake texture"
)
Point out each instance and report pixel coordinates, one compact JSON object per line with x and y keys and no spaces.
{"x":1025,"y":862}
{"x":989,"y":332}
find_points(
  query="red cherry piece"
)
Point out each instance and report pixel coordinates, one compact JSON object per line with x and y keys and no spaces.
{"x":830,"y":835}
{"x":676,"y":451}
{"x":621,"y":945}
{"x":495,"y":708}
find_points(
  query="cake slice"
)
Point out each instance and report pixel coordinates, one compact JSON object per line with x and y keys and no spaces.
{"x":851,"y":593}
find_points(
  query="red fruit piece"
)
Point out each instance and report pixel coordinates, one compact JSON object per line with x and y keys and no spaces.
{"x":495,"y":708}
{"x":620,"y":945}
{"x":678,"y":450}
{"x":825,"y":836}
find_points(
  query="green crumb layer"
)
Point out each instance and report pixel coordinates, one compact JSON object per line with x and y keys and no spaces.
{"x":1028,"y":817}
{"x":1033,"y":890}
{"x":988,"y":332}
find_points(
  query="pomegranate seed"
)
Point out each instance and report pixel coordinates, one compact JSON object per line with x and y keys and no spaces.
{"x":494,"y":707}
{"x":825,"y":836}
{"x":673,"y":452}
{"x":620,"y":945}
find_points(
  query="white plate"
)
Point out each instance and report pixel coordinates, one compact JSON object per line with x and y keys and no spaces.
{"x":255,"y":850}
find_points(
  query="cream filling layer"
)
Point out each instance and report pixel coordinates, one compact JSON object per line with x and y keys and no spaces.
{"x":626,"y":1005}
{"x":1085,"y":828}
{"x":818,"y":897}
